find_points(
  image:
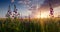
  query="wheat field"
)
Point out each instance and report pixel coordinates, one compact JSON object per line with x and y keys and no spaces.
{"x":32,"y":25}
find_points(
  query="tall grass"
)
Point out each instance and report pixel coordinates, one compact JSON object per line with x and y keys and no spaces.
{"x":26,"y":25}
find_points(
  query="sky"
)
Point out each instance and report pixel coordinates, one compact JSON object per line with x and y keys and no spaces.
{"x":30,"y":7}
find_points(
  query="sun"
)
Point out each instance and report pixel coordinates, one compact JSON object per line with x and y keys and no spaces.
{"x":43,"y":15}
{"x":38,"y":16}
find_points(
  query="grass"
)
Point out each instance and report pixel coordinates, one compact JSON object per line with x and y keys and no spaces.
{"x":33,"y":25}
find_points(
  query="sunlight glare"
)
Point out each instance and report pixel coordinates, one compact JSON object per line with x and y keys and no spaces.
{"x":43,"y":15}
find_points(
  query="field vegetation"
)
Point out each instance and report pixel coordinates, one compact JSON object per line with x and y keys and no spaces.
{"x":30,"y":25}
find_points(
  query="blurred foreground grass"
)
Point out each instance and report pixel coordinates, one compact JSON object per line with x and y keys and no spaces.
{"x":32,"y":25}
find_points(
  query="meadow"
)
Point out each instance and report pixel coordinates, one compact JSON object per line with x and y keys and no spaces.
{"x":30,"y":25}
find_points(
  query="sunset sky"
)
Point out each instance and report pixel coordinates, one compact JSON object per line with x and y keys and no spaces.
{"x":30,"y":7}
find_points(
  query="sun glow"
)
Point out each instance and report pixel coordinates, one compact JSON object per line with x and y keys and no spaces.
{"x":43,"y":15}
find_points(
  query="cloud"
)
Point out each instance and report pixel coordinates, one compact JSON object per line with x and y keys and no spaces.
{"x":26,"y":2}
{"x":31,"y":4}
{"x":54,"y":3}
{"x":12,"y":1}
{"x":43,"y":5}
